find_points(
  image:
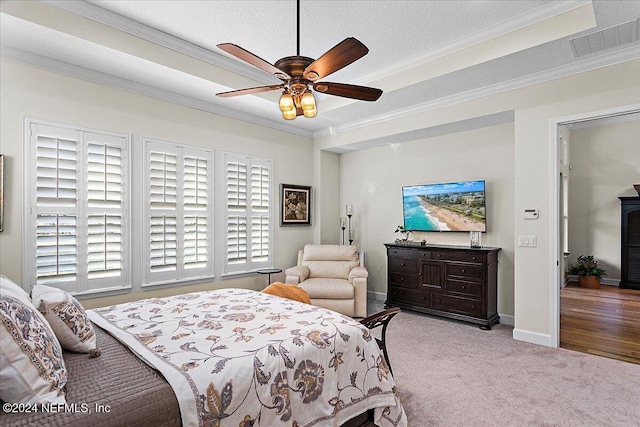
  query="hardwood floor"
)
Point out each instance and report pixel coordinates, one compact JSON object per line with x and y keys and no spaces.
{"x":603,"y":321}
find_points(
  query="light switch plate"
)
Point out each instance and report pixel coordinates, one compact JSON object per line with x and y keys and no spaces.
{"x":527,"y":241}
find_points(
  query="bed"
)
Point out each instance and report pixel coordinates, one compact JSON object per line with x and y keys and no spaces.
{"x":230,"y":357}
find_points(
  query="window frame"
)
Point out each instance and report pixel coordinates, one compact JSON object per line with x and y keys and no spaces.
{"x":180,"y":276}
{"x":248,"y":267}
{"x":81,"y":286}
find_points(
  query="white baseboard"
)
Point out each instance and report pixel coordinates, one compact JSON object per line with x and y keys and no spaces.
{"x":376,"y":297}
{"x":532,"y":337}
{"x":507,"y":319}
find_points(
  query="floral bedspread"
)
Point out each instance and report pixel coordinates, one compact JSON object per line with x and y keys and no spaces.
{"x":237,"y":357}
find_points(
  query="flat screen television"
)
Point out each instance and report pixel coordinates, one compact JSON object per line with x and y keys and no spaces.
{"x":452,"y":206}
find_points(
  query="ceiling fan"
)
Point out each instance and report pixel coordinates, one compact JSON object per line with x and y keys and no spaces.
{"x":300,"y":73}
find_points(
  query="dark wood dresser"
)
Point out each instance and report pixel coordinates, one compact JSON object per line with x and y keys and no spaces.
{"x":630,"y":242}
{"x":451,"y":281}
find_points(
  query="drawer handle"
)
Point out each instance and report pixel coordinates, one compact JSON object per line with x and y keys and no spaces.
{"x":464,"y":271}
{"x":473,"y":258}
{"x":402,"y":279}
{"x":402,"y":264}
{"x":438,"y":255}
{"x":438,"y":299}
{"x":462,"y":286}
{"x":474,"y":306}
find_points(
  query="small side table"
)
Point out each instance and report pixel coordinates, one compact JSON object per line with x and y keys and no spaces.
{"x":269,"y":271}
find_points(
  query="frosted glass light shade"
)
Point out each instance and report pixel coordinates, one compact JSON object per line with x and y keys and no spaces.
{"x":310,"y":112}
{"x":308,"y":102}
{"x":289,"y":114}
{"x":286,"y":103}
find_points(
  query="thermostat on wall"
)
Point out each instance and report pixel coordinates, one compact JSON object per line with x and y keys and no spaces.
{"x":530,"y":214}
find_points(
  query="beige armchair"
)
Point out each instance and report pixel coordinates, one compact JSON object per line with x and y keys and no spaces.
{"x":334,"y":277}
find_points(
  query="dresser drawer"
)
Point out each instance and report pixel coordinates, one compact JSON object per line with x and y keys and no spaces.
{"x":450,"y":303}
{"x":404,"y":253}
{"x":407,"y":296}
{"x":473,"y":289}
{"x":457,"y":256}
{"x":404,"y":280}
{"x":403,"y":265}
{"x":470,"y":271}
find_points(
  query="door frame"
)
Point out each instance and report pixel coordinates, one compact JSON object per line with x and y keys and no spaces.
{"x":554,"y":236}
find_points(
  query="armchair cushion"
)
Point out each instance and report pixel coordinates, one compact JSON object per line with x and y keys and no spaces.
{"x":300,"y":271}
{"x":327,"y":288}
{"x":332,"y":261}
{"x":358,"y":272}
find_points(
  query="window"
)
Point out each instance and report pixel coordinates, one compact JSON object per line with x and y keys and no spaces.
{"x":77,"y":233}
{"x":178,"y":189}
{"x":247,"y":213}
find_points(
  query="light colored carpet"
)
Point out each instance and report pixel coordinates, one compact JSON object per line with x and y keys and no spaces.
{"x":454,"y":374}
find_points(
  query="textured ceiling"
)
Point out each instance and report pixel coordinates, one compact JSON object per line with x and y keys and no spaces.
{"x":417,"y":49}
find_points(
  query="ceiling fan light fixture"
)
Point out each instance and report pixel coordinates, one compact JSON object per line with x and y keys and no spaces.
{"x":308,"y":102}
{"x":299,"y":74}
{"x":289,"y":114}
{"x":286,"y":103}
{"x":310,"y":112}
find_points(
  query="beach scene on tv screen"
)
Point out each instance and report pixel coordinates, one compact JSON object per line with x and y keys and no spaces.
{"x":457,"y":206}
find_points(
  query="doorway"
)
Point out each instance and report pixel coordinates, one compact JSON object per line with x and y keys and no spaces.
{"x":565,"y":249}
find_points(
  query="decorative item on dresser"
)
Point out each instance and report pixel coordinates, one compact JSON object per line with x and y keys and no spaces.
{"x":457,"y":282}
{"x":630,"y":241}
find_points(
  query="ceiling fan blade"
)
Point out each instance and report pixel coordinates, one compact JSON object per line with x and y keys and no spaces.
{"x":248,"y":91}
{"x":344,"y":53}
{"x":254,"y":60}
{"x":363,"y":93}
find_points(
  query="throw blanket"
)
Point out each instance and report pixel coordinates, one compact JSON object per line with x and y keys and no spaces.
{"x":287,"y":291}
{"x":243,"y":358}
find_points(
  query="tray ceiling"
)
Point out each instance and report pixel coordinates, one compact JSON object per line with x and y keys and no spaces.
{"x":421,"y":53}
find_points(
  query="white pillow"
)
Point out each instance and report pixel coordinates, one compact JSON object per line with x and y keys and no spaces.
{"x":67,"y":318}
{"x":32,"y":369}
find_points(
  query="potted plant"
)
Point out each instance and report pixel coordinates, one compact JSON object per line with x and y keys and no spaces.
{"x":588,"y":270}
{"x":403,"y":232}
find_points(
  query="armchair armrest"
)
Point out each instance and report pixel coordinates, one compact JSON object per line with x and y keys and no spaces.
{"x":297,"y":274}
{"x":358,"y":272}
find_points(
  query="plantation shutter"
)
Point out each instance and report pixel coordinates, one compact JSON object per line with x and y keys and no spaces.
{"x":163,"y":182}
{"x":237,"y":212}
{"x":259,"y":213}
{"x":196,"y":199}
{"x":178,"y":212}
{"x":104,"y":207}
{"x":247,"y":212}
{"x":77,"y":198}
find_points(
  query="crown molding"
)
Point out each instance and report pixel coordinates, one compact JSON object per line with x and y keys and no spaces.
{"x":539,"y":14}
{"x":93,"y":76}
{"x":134,"y":28}
{"x":589,"y":64}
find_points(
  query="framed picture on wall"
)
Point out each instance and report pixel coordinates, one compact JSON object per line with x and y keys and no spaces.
{"x":295,"y":205}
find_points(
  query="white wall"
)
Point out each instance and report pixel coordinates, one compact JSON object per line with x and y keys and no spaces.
{"x":605,"y":163}
{"x":536,"y":107}
{"x":33,"y":93}
{"x":372,"y":181}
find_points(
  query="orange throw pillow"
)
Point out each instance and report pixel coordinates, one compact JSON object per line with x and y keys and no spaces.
{"x":287,"y":291}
